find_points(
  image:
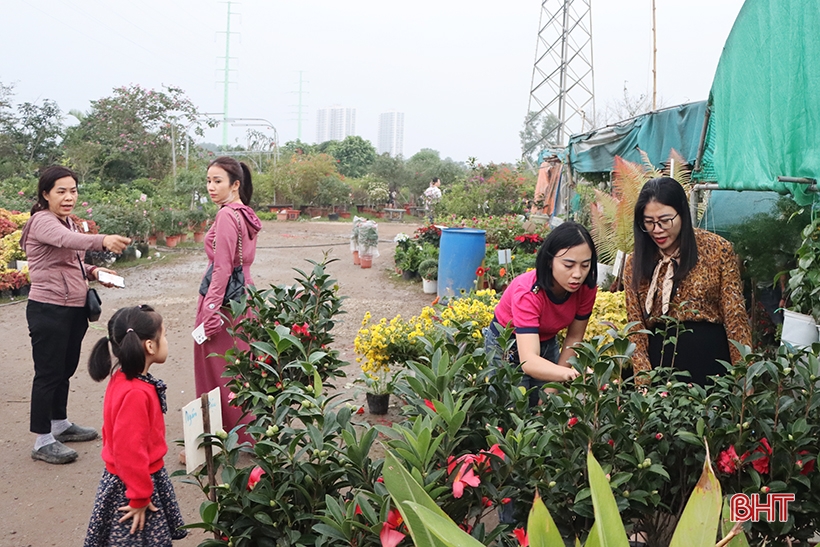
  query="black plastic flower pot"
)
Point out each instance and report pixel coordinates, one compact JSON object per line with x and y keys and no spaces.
{"x":377,"y":402}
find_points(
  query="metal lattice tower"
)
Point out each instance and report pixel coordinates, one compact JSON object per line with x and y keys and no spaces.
{"x":226,"y":78}
{"x":562,"y":76}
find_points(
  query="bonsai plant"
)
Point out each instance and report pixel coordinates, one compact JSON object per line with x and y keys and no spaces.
{"x":428,"y":270}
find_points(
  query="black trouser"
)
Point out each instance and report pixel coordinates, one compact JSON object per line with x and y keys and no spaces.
{"x":56,"y":339}
{"x":700,"y":346}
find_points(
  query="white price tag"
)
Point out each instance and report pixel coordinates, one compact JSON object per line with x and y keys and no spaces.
{"x":85,"y":226}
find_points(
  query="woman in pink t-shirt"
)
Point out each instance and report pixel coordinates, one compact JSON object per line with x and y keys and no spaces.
{"x":558,"y":294}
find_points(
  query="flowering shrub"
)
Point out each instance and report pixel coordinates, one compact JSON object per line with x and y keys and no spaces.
{"x":528,"y":243}
{"x":384,"y":345}
{"x":428,"y":234}
{"x":10,"y":248}
{"x":13,"y":279}
{"x":470,"y":439}
{"x":398,"y":341}
{"x":6,"y":226}
{"x":499,"y":276}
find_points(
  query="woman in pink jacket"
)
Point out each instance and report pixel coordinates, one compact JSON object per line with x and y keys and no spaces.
{"x":230,"y":242}
{"x":56,"y":314}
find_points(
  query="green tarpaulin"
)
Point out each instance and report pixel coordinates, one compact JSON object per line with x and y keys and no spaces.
{"x":656,"y":133}
{"x":765,"y":101}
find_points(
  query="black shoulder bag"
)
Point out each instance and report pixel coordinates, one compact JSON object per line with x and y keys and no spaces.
{"x":236,"y":283}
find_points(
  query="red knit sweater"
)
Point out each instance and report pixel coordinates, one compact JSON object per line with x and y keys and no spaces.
{"x":133,"y":435}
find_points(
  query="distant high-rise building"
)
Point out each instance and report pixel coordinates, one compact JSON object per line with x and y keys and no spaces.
{"x":335,"y":123}
{"x":391,"y":133}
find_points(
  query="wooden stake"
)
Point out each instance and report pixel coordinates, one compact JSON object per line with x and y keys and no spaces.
{"x":209,"y":453}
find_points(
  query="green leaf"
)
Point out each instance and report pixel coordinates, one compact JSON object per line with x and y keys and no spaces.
{"x":330,"y":531}
{"x":607,"y":517}
{"x":208,"y":511}
{"x":443,"y":528}
{"x":264,"y":518}
{"x":698,"y":524}
{"x":541,"y":529}
{"x":403,"y":488}
{"x":727,"y":525}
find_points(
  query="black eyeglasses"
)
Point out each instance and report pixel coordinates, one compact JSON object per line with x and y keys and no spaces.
{"x":664,"y":223}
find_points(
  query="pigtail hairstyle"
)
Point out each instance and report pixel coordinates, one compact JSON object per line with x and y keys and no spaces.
{"x":568,"y":234}
{"x":237,"y":171}
{"x":128,"y":328}
{"x":667,"y":191}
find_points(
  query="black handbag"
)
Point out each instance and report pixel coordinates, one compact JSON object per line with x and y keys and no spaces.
{"x":93,"y":303}
{"x":236,"y":282}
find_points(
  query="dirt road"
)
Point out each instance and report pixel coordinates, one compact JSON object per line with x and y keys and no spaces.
{"x":43,"y":505}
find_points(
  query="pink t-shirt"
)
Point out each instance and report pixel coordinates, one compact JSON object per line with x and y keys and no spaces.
{"x":541,"y":312}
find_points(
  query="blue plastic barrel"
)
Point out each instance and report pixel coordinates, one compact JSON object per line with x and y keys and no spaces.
{"x":460,"y":254}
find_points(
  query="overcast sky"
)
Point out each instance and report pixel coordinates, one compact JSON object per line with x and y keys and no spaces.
{"x":460,"y":70}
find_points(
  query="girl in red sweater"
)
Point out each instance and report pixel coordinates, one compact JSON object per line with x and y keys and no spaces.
{"x":135,"y":503}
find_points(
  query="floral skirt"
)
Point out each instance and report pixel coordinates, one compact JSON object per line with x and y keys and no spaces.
{"x":161,"y":526}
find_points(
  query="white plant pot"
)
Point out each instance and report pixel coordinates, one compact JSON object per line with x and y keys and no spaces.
{"x":799,"y":330}
{"x":429,"y":287}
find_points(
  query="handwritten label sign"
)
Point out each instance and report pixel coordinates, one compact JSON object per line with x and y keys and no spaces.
{"x":192,"y":428}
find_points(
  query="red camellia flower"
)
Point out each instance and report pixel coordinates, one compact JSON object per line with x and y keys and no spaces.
{"x":360,"y":410}
{"x":390,"y":537}
{"x":572,"y":421}
{"x":659,"y":436}
{"x":807,"y":468}
{"x":394,"y":519}
{"x":521,"y":535}
{"x":728,"y":461}
{"x":505,"y":501}
{"x":480,"y":271}
{"x":429,"y":404}
{"x":761,"y":465}
{"x":611,"y":443}
{"x":255,"y":476}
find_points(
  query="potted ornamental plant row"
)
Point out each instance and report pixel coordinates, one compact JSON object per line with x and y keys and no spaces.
{"x":800,"y":320}
{"x":428,"y":270}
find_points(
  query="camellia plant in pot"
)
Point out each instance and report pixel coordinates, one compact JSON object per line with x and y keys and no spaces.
{"x":368,"y":243}
{"x":799,"y":322}
{"x":428,"y":270}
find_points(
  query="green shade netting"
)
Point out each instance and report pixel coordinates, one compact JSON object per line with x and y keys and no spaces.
{"x":765,"y":100}
{"x":656,"y":133}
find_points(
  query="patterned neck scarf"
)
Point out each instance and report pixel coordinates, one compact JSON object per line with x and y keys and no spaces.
{"x":160,"y":386}
{"x":667,"y":284}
